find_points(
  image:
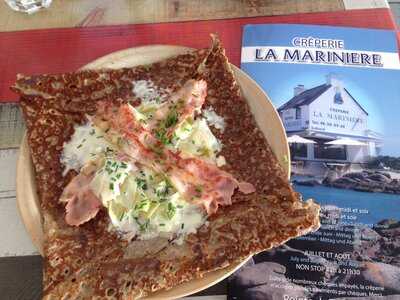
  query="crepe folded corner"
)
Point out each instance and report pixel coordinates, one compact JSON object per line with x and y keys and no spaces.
{"x":90,"y":261}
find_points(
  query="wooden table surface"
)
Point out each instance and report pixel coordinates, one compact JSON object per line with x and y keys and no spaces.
{"x":71,"y":13}
{"x":20,"y":276}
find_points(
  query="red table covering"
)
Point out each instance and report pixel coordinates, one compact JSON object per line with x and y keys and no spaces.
{"x":61,"y":50}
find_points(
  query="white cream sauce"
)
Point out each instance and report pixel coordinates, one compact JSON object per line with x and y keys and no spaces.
{"x":213,"y":119}
{"x":86,"y":144}
{"x":148,"y":92}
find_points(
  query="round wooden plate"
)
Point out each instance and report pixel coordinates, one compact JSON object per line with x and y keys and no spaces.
{"x":264,"y":112}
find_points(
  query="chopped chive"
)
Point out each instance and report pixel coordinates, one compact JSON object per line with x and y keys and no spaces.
{"x":179,"y":206}
{"x":99,"y":136}
{"x":171,"y":210}
{"x":111,"y":186}
{"x":183,"y":225}
{"x":80,"y":145}
{"x":161,"y":224}
{"x":171,"y":119}
{"x":92,"y":132}
{"x":107,"y":130}
{"x":144,"y":225}
{"x":141,"y":183}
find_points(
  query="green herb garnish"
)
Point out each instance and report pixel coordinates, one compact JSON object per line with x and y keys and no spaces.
{"x":142,"y":204}
{"x":161,"y":135}
{"x":171,"y":210}
{"x":172,"y":119}
{"x":141,"y":183}
{"x":144,"y":226}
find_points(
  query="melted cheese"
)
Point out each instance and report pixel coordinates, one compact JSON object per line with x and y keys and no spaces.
{"x":196,"y":139}
{"x":107,"y":182}
{"x":140,"y":210}
{"x":187,"y":219}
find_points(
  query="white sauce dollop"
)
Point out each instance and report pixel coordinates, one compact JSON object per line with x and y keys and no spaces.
{"x":86,"y":144}
{"x":148,"y":92}
{"x":213,"y":119}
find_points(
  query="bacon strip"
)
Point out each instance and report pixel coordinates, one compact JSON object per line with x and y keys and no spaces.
{"x":219,"y":185}
{"x":82,"y":204}
{"x":184,"y":103}
{"x":198,"y":181}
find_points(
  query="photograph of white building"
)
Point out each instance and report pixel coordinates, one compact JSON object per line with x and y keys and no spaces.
{"x":330,"y":125}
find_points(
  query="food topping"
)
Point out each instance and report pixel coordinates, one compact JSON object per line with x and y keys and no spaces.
{"x":154,"y":167}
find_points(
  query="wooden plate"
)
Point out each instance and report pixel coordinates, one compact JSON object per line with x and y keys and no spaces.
{"x":264,"y":112}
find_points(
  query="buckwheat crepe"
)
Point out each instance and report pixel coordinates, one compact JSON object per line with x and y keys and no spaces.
{"x":90,"y":261}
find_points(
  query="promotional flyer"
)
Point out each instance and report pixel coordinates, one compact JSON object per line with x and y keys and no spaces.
{"x":337,"y":92}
